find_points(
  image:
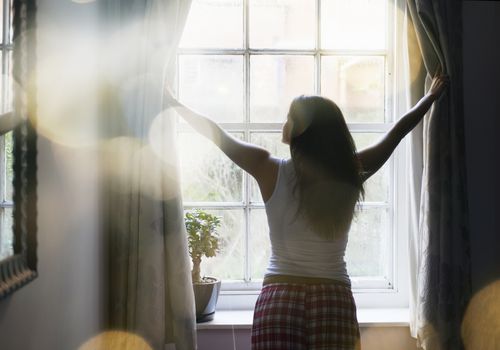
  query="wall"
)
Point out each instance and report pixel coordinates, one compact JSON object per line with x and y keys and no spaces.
{"x":64,"y":305}
{"x":482,"y":124}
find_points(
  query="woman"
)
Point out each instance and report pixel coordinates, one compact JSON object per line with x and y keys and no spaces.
{"x":306,"y":300}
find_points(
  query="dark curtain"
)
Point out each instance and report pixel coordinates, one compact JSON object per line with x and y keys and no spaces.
{"x":444,"y":282}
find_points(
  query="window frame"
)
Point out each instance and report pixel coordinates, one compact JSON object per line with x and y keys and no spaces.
{"x":6,"y":57}
{"x":19,"y":269}
{"x":368,"y":292}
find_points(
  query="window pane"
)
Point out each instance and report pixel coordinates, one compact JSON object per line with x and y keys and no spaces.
{"x":1,"y":18}
{"x":259,"y":244}
{"x":356,"y":84}
{"x":272,"y":142}
{"x":214,"y":24}
{"x":353,"y":24}
{"x":7,"y":82}
{"x":368,"y":248}
{"x":275,"y":81}
{"x":377,"y":186}
{"x":213,"y":84}
{"x":365,"y":139}
{"x":6,"y":236}
{"x":229,"y":263}
{"x":282,"y":24}
{"x":9,"y":102}
{"x":206,"y":173}
{"x":9,"y":171}
{"x":11,"y":20}
{"x":4,"y":83}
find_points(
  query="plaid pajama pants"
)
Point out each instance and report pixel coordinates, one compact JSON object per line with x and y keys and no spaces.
{"x":305,"y":316}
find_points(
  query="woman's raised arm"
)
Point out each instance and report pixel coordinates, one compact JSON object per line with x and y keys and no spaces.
{"x":8,"y":121}
{"x":253,"y":159}
{"x":373,"y":157}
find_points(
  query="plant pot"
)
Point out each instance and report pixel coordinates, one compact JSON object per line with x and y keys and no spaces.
{"x":206,"y":294}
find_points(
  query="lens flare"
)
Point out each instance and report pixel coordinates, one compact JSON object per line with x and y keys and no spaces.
{"x":131,"y":166}
{"x":159,"y":180}
{"x":162,"y":136}
{"x":119,"y":166}
{"x":481,"y":322}
{"x":116,"y":340}
{"x":67,"y":107}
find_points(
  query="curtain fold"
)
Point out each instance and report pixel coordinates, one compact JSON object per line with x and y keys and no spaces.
{"x":439,"y":236}
{"x":150,"y":291}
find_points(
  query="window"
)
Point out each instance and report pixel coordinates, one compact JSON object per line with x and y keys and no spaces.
{"x":6,"y":171}
{"x":242,"y":62}
{"x":18,"y":241}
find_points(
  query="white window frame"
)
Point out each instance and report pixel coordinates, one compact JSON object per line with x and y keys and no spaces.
{"x":369,"y":293}
{"x":5,"y":48}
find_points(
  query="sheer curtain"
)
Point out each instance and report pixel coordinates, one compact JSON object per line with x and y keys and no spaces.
{"x":150,"y":291}
{"x":440,"y":286}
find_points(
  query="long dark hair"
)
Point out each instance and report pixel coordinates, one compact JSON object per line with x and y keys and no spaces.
{"x":328,"y":173}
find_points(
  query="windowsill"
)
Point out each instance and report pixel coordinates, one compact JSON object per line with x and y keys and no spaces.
{"x":242,"y":319}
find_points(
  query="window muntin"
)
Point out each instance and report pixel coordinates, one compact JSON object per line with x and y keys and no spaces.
{"x":266,"y":73}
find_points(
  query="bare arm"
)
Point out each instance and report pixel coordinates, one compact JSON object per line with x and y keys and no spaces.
{"x":8,"y":121}
{"x":373,"y":157}
{"x":253,"y":159}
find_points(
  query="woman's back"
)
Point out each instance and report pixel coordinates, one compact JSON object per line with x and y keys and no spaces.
{"x":295,"y":249}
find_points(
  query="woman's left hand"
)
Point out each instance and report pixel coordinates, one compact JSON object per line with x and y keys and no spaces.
{"x":438,"y":85}
{"x":171,"y":100}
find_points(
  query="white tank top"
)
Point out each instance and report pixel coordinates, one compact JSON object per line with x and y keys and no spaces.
{"x":295,"y":249}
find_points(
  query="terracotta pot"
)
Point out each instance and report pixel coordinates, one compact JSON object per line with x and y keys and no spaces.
{"x":206,"y":294}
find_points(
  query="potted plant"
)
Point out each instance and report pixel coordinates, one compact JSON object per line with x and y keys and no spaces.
{"x":203,"y":241}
